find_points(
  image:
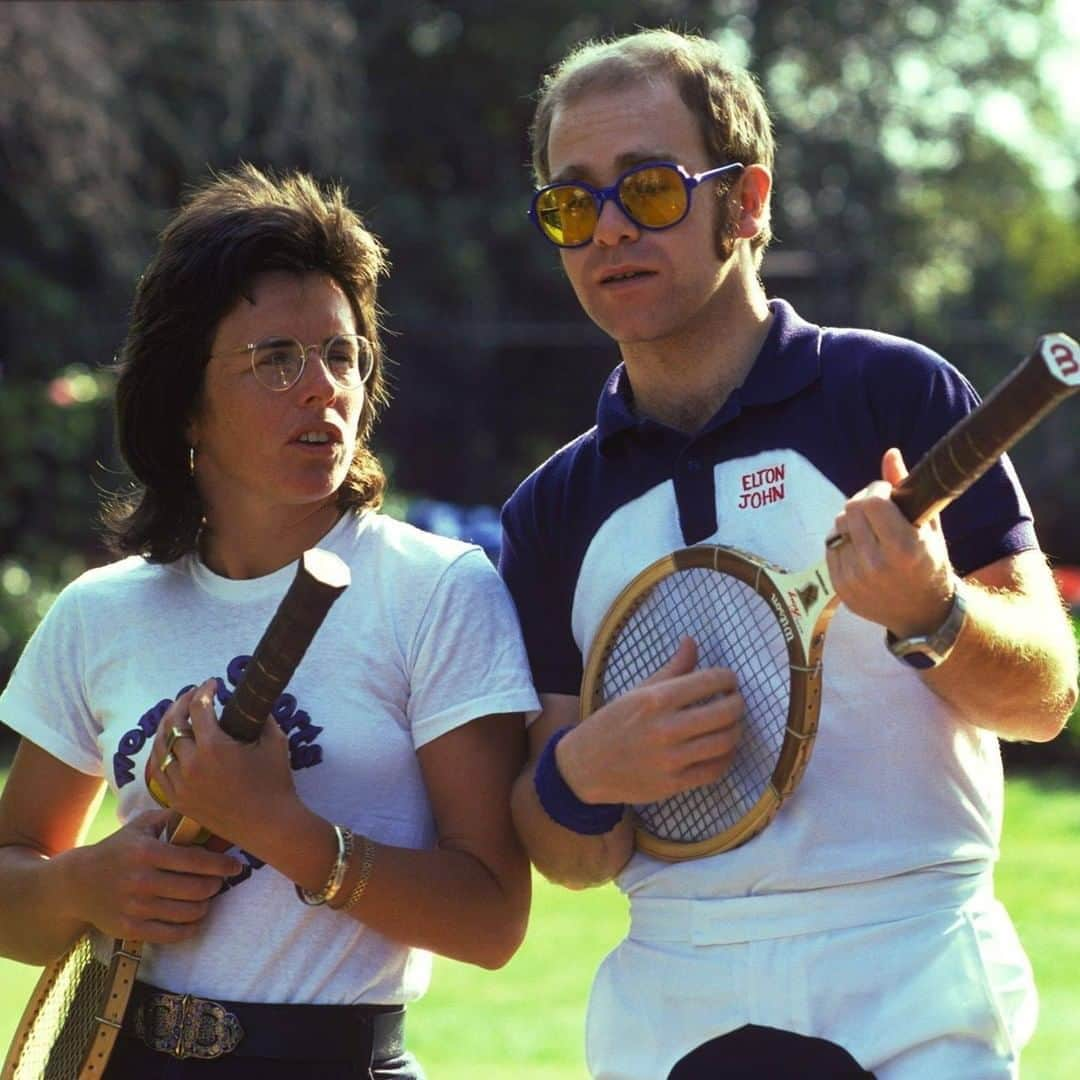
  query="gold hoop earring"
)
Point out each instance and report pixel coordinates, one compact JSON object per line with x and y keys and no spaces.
{"x":191,"y":461}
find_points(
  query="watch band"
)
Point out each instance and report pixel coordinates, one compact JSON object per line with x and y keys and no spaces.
{"x":925,"y":651}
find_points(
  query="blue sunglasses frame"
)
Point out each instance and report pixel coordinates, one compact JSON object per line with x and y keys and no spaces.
{"x":603,"y":195}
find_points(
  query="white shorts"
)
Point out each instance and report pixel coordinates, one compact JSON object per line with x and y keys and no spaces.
{"x":947,"y":993}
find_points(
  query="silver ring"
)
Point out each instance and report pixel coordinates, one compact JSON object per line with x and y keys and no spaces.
{"x":836,"y":540}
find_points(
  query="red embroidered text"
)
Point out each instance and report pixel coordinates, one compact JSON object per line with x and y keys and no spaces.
{"x":761,"y":487}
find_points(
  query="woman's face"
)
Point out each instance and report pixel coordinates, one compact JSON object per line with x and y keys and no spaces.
{"x":272,"y":456}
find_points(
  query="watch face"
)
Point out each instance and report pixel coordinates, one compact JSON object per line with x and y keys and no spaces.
{"x":917,"y":652}
{"x":918,"y":659}
{"x":930,"y":650}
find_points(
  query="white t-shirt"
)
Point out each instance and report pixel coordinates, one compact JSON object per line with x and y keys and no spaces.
{"x":424,"y":640}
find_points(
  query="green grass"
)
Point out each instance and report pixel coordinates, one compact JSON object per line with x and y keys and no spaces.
{"x":526,"y":1020}
{"x":1038,"y":880}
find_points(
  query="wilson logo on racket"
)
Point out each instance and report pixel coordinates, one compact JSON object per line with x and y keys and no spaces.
{"x":782,"y":617}
{"x":769,"y":626}
{"x":808,"y":596}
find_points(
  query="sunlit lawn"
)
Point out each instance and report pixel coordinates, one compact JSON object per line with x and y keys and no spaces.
{"x":525,"y":1021}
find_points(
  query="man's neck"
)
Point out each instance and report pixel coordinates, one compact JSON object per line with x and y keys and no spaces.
{"x":683,"y":382}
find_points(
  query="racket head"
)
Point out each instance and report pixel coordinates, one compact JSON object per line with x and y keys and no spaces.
{"x":59,"y":1026}
{"x":735,"y":608}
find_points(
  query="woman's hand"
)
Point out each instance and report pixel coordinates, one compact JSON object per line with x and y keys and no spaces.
{"x":134,"y":884}
{"x":229,"y":787}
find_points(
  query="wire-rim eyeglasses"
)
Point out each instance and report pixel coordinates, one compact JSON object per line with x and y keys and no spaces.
{"x":278,"y":362}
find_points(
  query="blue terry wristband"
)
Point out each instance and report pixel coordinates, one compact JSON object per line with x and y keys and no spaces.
{"x":562,"y":805}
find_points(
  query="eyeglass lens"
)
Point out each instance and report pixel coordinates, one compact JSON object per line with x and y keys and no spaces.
{"x":654,"y":197}
{"x":279,"y":362}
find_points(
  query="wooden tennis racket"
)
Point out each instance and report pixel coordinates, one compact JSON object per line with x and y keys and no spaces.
{"x":769,"y":625}
{"x":70,"y":1024}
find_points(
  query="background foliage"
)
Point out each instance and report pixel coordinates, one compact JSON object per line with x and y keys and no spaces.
{"x":898,"y":205}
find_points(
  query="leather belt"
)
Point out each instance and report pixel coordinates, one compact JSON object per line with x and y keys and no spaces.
{"x":185,"y":1026}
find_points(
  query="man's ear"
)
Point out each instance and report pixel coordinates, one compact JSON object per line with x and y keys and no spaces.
{"x":754,"y":191}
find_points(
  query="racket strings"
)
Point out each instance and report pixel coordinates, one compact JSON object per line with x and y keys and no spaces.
{"x":734,"y":627}
{"x":64,"y":1024}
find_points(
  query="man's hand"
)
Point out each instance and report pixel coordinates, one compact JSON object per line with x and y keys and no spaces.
{"x":677,"y":730}
{"x":888,"y":570}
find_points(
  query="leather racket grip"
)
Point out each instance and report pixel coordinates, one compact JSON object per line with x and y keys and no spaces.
{"x":1049,"y":375}
{"x":320,"y":579}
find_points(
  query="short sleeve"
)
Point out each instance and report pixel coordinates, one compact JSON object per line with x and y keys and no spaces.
{"x":891,"y":392}
{"x":992,"y":519}
{"x":45,"y":699}
{"x":467,"y":658}
{"x":541,"y":594}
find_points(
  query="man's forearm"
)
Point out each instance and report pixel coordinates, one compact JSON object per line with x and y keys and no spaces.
{"x":1014,"y":668}
{"x":567,"y":858}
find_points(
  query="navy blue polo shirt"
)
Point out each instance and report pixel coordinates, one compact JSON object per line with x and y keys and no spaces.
{"x":767,"y":474}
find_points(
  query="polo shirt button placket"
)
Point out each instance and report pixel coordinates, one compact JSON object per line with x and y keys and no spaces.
{"x":695,"y":498}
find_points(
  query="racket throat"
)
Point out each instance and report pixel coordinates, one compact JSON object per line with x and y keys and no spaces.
{"x":811,"y":601}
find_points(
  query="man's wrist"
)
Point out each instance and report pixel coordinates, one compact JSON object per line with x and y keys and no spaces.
{"x":562,"y":804}
{"x":568,"y":763}
{"x":924,"y":651}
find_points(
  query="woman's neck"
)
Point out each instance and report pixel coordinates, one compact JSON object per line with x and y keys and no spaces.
{"x":236,"y":546}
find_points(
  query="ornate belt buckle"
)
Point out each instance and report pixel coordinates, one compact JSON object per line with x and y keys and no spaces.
{"x":186,"y":1026}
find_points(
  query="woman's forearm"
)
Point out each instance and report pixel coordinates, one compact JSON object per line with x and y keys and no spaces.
{"x":37,"y":896}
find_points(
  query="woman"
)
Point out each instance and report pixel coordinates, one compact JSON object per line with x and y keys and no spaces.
{"x":370,"y":823}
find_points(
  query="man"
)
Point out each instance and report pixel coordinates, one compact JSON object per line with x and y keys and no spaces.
{"x":859,"y":931}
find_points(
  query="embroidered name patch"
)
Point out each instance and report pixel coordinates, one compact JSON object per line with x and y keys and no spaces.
{"x":761,"y":487}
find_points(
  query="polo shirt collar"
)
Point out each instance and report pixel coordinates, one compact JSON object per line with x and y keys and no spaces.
{"x":788,"y":362}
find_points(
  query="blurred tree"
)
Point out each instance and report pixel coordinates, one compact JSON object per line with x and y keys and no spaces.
{"x":107,"y":111}
{"x":887,"y":189}
{"x":895,"y":207}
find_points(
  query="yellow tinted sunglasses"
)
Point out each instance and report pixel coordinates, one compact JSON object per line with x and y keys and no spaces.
{"x":655,"y":195}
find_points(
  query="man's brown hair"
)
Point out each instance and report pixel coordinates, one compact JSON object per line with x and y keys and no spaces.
{"x":725,"y":99}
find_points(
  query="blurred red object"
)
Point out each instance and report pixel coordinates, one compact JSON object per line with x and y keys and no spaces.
{"x":1068,"y":583}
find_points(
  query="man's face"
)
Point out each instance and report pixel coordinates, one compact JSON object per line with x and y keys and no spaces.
{"x":639,"y":285}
